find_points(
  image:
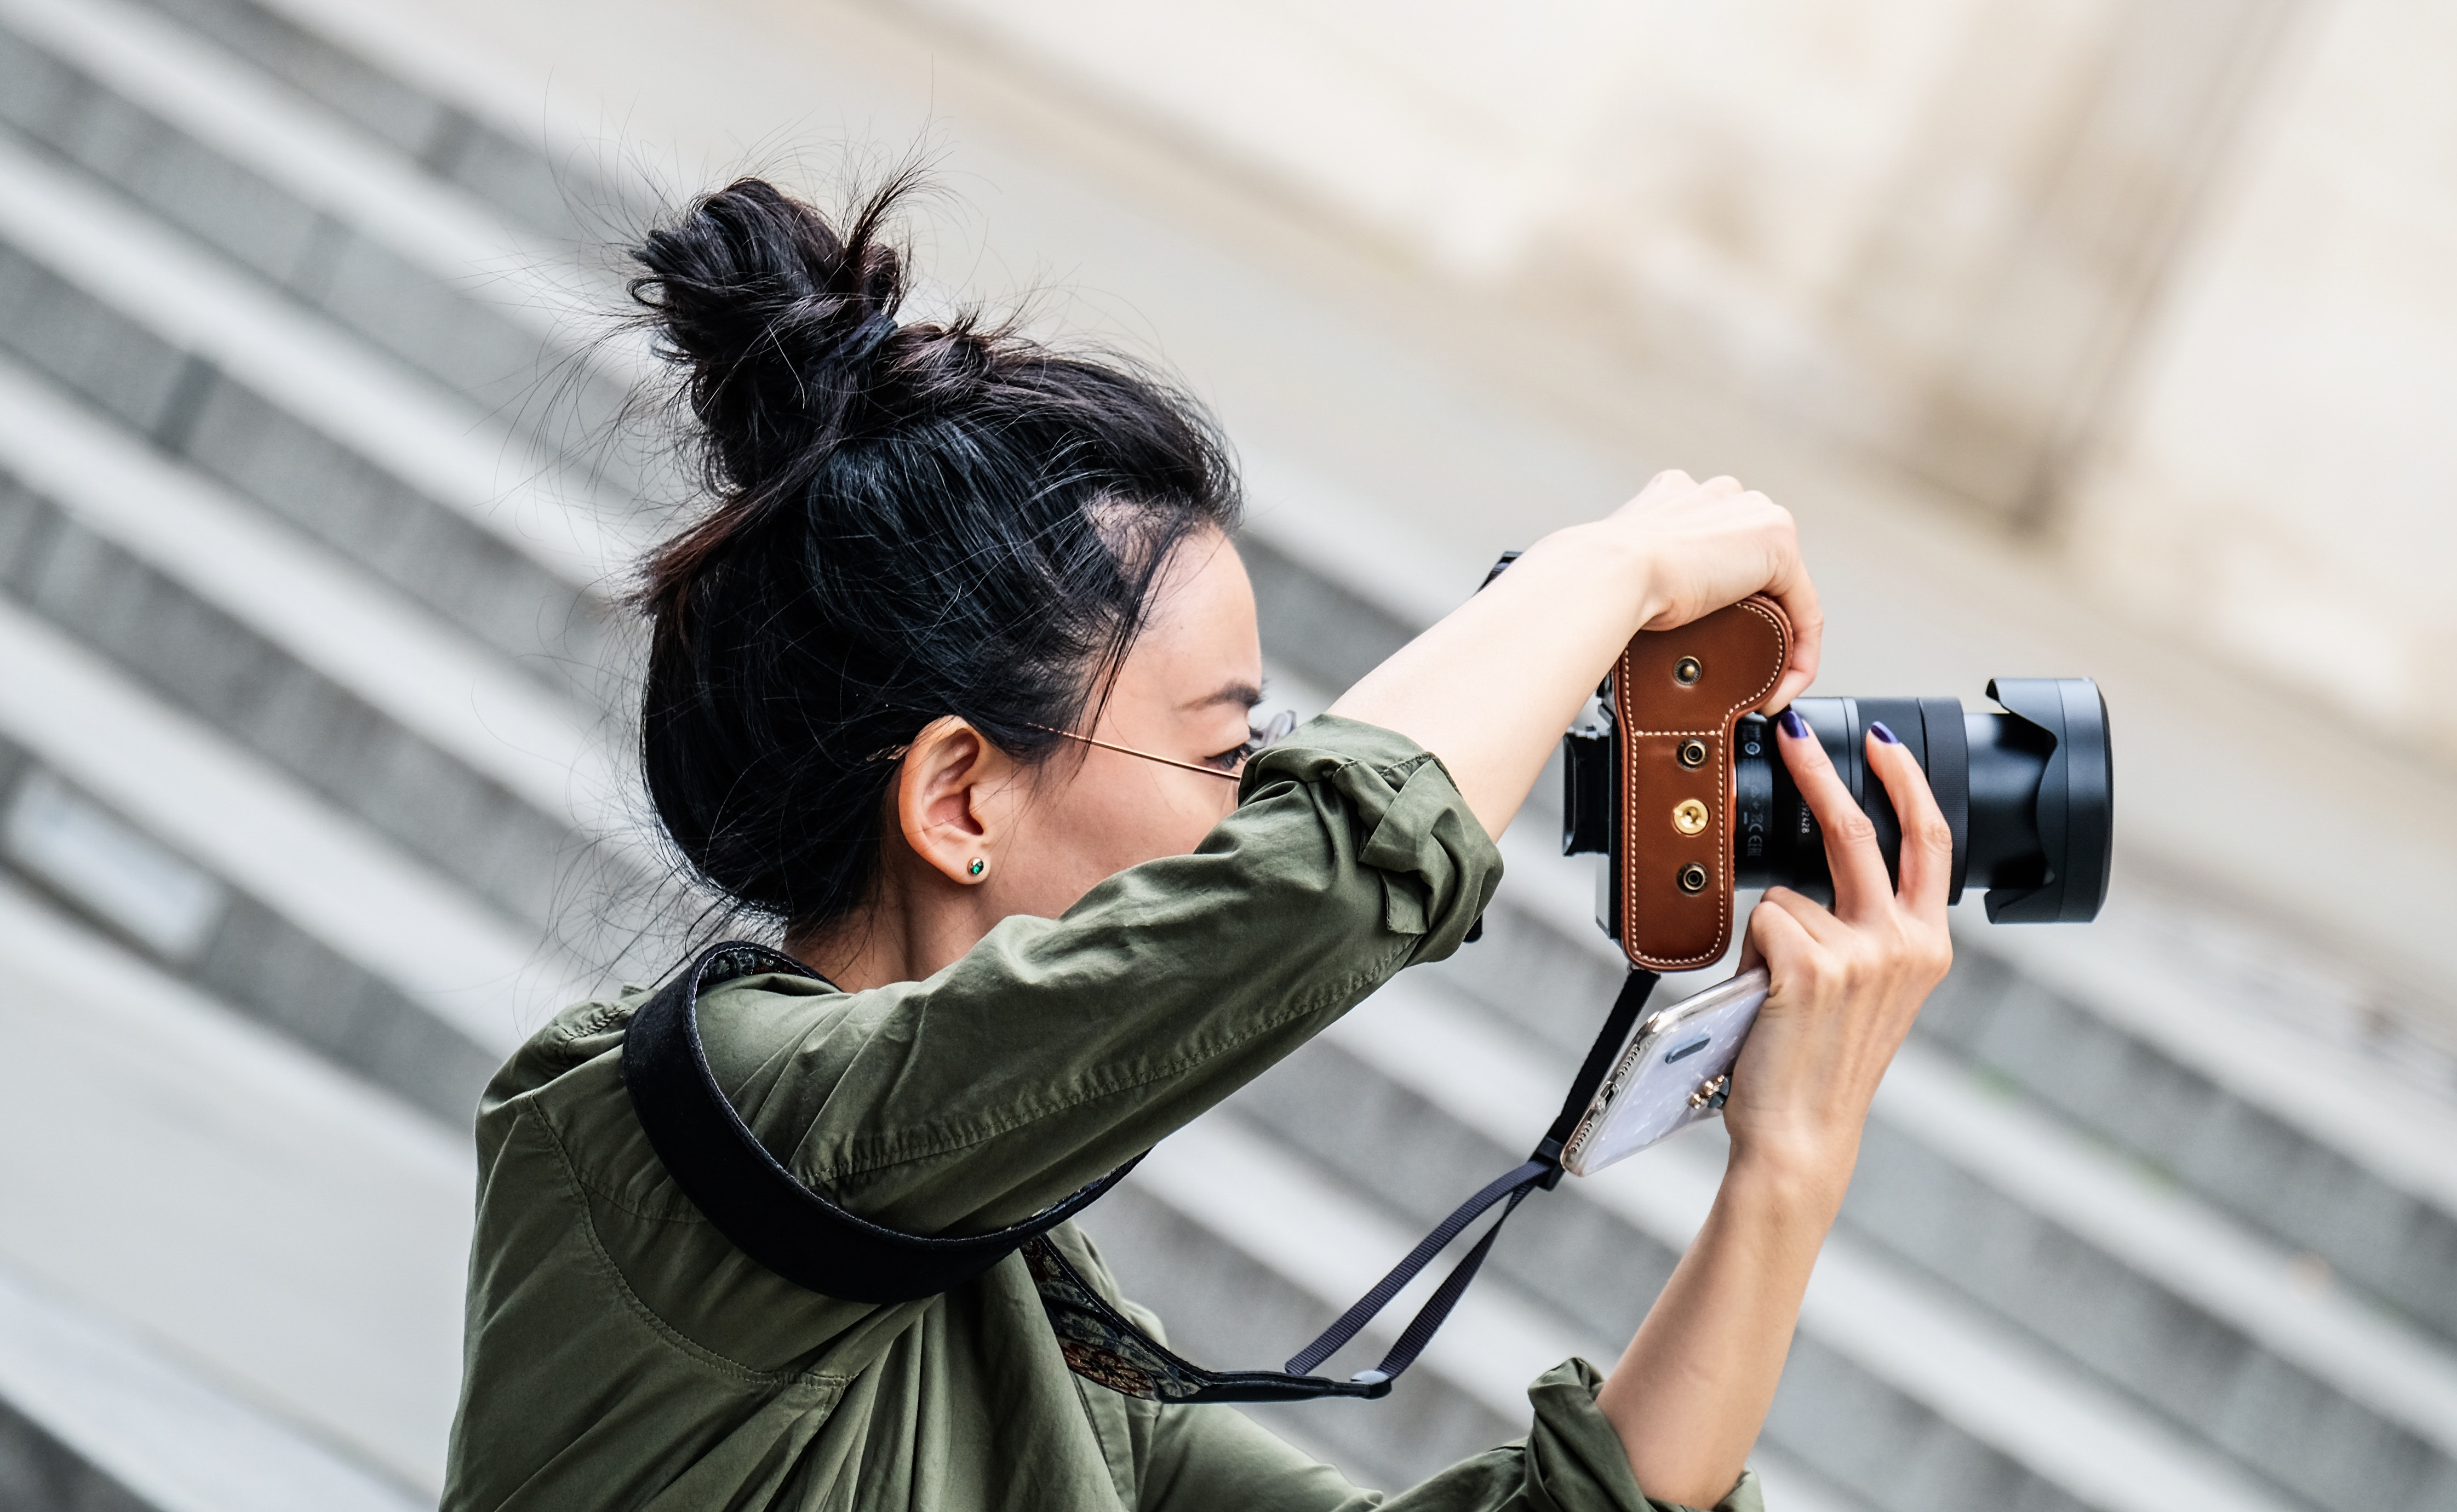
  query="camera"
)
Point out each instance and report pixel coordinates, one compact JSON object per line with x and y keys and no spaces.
{"x":2026,"y":790}
{"x":1671,"y":774}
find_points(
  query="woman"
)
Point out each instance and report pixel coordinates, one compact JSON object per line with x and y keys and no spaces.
{"x":954,"y":684}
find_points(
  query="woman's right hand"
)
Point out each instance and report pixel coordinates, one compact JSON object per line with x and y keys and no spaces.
{"x":1715,"y":542}
{"x":1491,"y":687}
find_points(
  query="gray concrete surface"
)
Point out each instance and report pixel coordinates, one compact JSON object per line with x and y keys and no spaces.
{"x":287,"y":1234}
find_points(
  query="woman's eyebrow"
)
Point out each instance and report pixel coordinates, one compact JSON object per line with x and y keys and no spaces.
{"x":1243,"y":693}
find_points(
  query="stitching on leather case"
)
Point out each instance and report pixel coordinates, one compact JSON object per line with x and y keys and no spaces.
{"x":1723,"y":803}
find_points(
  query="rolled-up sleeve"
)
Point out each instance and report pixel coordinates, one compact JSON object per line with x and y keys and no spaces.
{"x":1434,"y":864}
{"x":1205,"y":1460}
{"x":1572,"y":1460}
{"x":1057,"y":1049}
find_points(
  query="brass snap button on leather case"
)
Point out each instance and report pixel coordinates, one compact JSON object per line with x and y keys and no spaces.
{"x":1676,"y":695}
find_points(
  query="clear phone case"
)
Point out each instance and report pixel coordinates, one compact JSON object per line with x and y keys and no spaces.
{"x":1675,"y":1071}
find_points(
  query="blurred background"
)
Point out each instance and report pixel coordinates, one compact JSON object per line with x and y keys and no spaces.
{"x":2085,"y":337}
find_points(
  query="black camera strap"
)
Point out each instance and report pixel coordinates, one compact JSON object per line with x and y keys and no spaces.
{"x":778,"y":1220}
{"x":767,"y":1212}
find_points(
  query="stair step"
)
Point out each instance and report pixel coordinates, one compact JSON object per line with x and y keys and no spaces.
{"x":289,"y":410}
{"x":294,"y":653}
{"x":1985,"y":1411}
{"x":2171,"y":1059}
{"x":255,"y":831}
{"x":93,"y":861}
{"x":232,"y":1277}
{"x":2199,"y":1319}
{"x":93,"y":1420}
{"x":348,"y":225}
{"x":324,"y":52}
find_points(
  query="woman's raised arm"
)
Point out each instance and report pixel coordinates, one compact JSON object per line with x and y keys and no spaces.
{"x":1491,"y":687}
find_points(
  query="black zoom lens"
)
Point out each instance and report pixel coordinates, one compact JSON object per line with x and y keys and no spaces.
{"x":2029,"y":795}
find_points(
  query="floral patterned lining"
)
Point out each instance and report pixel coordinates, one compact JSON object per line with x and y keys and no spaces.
{"x":1100,"y":1343}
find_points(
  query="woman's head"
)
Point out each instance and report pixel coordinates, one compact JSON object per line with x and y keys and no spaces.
{"x":931,"y":550}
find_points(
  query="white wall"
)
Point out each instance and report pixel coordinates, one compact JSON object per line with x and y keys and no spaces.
{"x":2168,"y":278}
{"x":2288,"y":474}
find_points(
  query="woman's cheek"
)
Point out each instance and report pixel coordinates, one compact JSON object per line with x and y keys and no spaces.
{"x":1222,"y":807}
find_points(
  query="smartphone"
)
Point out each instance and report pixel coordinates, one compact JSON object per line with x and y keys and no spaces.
{"x":1676,"y":1071}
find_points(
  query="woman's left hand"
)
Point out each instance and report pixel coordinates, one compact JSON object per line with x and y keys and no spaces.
{"x":1692,"y":1390}
{"x":1846,"y":983}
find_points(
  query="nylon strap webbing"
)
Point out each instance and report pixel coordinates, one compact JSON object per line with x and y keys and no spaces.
{"x":1542,"y":1169}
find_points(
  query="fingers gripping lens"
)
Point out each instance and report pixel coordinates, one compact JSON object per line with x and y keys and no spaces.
{"x":2027,"y":791}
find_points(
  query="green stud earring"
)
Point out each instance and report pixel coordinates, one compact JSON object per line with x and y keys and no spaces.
{"x":978,"y":867}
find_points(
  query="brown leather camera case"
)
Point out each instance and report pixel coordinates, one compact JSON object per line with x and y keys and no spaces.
{"x":1676,"y":696}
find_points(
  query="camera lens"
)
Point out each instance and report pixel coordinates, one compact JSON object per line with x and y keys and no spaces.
{"x":2028,"y":793}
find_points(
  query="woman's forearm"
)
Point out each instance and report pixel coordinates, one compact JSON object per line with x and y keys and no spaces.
{"x":1689,"y":1395}
{"x":1491,"y":687}
{"x":1692,"y":1389}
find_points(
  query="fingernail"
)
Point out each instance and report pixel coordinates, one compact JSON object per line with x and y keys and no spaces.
{"x":1877,"y":728}
{"x":1793,"y":725}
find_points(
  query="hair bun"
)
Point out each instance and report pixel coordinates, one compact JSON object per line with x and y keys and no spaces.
{"x":952,"y":520}
{"x":775,"y":320}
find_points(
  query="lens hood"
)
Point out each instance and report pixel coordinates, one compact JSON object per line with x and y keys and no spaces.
{"x":2075,"y":808}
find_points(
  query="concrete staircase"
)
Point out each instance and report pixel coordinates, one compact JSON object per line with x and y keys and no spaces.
{"x":312,"y":721}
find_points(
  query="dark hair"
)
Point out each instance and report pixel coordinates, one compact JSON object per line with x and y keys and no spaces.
{"x":907,"y":522}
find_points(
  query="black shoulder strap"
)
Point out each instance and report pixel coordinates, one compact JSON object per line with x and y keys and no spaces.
{"x":767,"y":1212}
{"x":1541,"y":1170}
{"x":784,"y":1224}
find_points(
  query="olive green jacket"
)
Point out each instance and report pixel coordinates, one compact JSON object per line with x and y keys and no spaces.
{"x":622,"y":1355}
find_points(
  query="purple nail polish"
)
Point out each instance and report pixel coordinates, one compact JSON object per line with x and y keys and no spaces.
{"x":1877,"y":728}
{"x":1793,"y":725}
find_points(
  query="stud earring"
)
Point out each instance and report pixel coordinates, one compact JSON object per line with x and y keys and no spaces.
{"x":978,"y":867}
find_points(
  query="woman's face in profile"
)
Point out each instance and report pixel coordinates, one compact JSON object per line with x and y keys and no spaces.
{"x":1185,"y":692}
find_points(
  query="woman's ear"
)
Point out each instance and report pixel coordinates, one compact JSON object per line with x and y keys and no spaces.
{"x":945,"y":798}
